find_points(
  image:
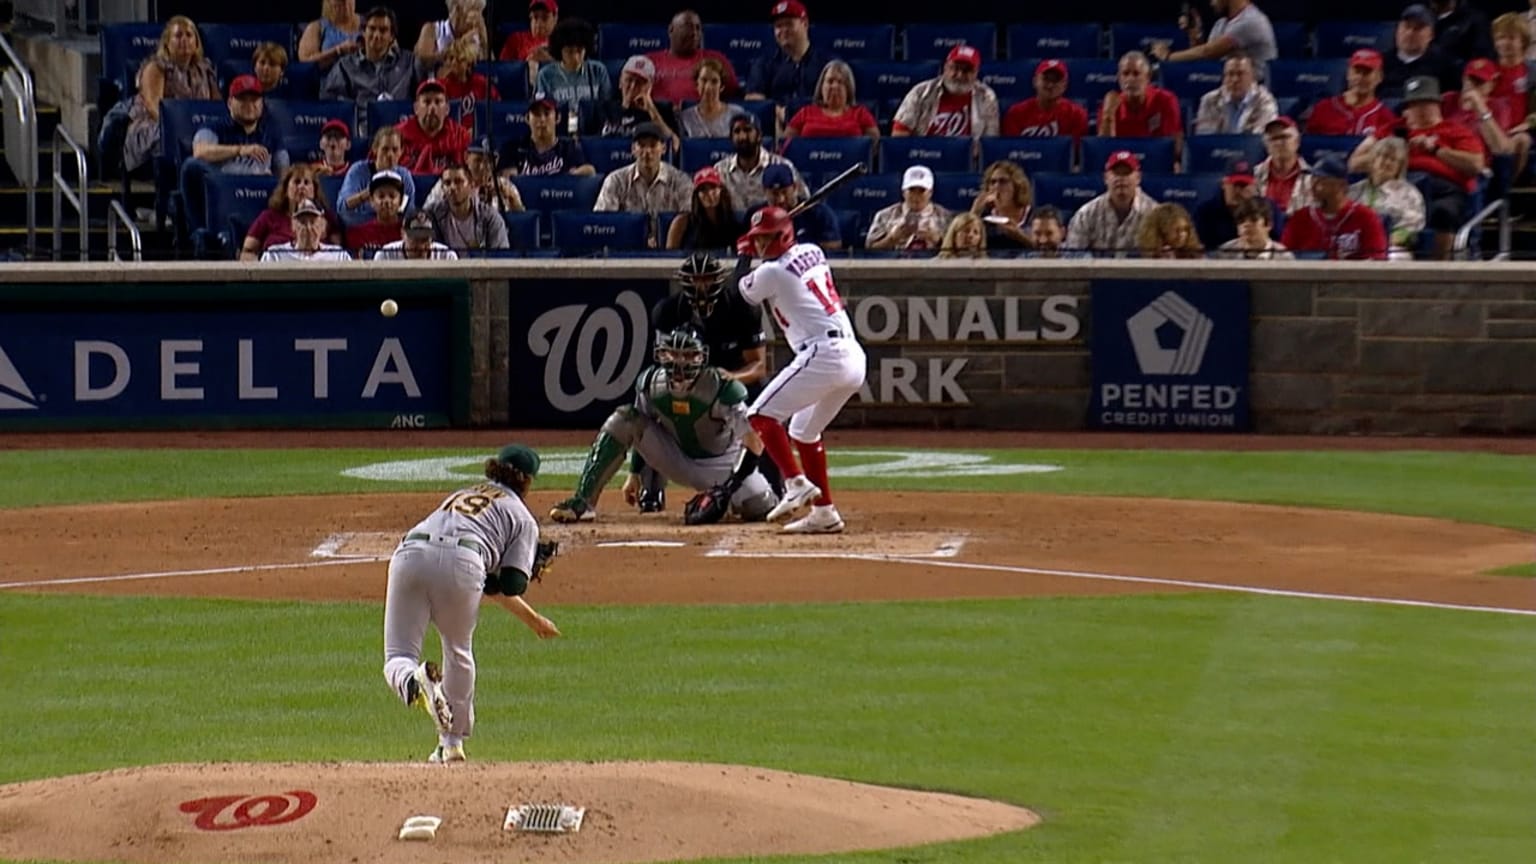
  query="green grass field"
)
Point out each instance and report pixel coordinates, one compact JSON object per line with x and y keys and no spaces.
{"x":1225,"y":729}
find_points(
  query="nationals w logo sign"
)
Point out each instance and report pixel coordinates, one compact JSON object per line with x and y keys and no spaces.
{"x":606,"y":348}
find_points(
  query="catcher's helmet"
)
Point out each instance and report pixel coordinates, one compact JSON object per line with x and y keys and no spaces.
{"x":775,"y":224}
{"x":703,"y":280}
{"x":683,"y":354}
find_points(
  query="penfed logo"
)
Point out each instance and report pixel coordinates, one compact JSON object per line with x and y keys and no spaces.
{"x":1194,"y":336}
{"x":14,"y":393}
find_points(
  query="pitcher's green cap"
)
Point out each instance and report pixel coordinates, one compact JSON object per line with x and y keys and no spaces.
{"x":519,"y":457}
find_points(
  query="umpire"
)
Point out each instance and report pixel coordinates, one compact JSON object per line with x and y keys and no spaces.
{"x":733,"y":331}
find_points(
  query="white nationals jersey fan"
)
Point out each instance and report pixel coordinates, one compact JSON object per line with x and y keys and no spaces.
{"x":800,"y":292}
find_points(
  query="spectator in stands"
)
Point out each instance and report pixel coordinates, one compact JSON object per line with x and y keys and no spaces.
{"x":573,"y":78}
{"x":491,"y":189}
{"x":431,"y":140}
{"x":245,"y":143}
{"x":307,"y":230}
{"x":275,"y":224}
{"x":712,"y":222}
{"x":1282,"y":176}
{"x":649,"y":186}
{"x":835,"y":113}
{"x":953,"y":105}
{"x":1168,"y":232}
{"x":675,"y":67}
{"x":743,"y":170}
{"x":336,"y":34}
{"x":1254,"y":240}
{"x":1140,"y":110}
{"x":268,"y":63}
{"x":913,"y":224}
{"x":790,"y":73}
{"x":1216,"y":218}
{"x":464,"y":220}
{"x":1242,"y":29}
{"x":416,"y":243}
{"x":1241,"y":105}
{"x":1047,"y":232}
{"x":1004,"y":206}
{"x":816,"y":224}
{"x":1476,"y":108}
{"x":1108,"y":223}
{"x":541,"y":153}
{"x":177,"y":70}
{"x":335,"y":144}
{"x":1530,"y":22}
{"x":532,"y":44}
{"x":356,"y":205}
{"x":1335,"y":226}
{"x":1511,"y":88}
{"x":619,"y":117}
{"x":711,"y":117}
{"x":1461,"y":31}
{"x":966,"y":237}
{"x":1398,"y":202}
{"x":1415,"y":53}
{"x":386,"y":192}
{"x":465,"y":23}
{"x":1356,"y":111}
{"x":1048,"y":113}
{"x":382,"y":70}
{"x":461,"y":83}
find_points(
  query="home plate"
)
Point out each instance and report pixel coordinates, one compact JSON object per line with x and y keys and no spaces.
{"x":664,"y":544}
{"x":357,"y":544}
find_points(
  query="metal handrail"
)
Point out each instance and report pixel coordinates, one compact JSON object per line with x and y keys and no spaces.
{"x":1464,"y":233}
{"x":77,"y":198}
{"x":118,"y":215}
{"x":26,"y":110}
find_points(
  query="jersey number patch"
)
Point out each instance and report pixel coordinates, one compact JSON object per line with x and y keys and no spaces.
{"x":473,"y":503}
{"x":825,"y":294}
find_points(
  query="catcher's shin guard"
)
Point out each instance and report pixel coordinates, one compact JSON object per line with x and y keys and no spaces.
{"x":603,"y":461}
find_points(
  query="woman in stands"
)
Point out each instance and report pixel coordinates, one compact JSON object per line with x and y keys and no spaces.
{"x":574,"y":79}
{"x":966,"y":237}
{"x":461,"y":81}
{"x":268,"y":64}
{"x":177,"y":70}
{"x":355,"y":205}
{"x":835,"y":113}
{"x":711,"y":223}
{"x":335,"y":34}
{"x":1004,"y":206}
{"x":275,"y":224}
{"x":465,"y":23}
{"x":532,"y":44}
{"x":711,"y":117}
{"x":1398,"y":202}
{"x":1168,"y":232}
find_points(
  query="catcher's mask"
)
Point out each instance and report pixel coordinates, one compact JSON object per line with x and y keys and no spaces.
{"x":684,"y":355}
{"x":703,"y":279}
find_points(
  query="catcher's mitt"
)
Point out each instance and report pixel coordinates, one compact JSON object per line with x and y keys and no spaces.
{"x":707,"y":507}
{"x":544,"y":558}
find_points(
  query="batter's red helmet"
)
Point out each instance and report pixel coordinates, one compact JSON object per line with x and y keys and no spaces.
{"x":773,"y":222}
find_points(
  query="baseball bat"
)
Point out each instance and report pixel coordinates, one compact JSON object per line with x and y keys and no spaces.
{"x":827,"y":188}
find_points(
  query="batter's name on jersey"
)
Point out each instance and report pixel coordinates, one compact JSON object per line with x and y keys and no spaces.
{"x":966,"y":319}
{"x":605,"y":346}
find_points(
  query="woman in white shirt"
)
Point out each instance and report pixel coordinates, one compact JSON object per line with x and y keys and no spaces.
{"x":1392,"y":197}
{"x":466,"y":20}
{"x":711,"y":118}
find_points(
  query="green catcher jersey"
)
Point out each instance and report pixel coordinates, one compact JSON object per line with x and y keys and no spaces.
{"x":708,"y":420}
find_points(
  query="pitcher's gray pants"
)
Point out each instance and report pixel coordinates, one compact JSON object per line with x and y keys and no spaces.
{"x":443,"y":584}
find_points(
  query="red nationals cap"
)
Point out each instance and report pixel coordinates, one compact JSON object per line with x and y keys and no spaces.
{"x":335,"y":127}
{"x":1481,"y":69}
{"x":1122,"y":157}
{"x":964,"y":54}
{"x":707,"y":176}
{"x":244,"y":85}
{"x":551,"y":5}
{"x":787,"y":9}
{"x":1051,"y":66}
{"x":1366,"y":58}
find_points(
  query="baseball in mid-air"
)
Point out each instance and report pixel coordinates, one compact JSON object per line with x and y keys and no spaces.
{"x":389,"y":308}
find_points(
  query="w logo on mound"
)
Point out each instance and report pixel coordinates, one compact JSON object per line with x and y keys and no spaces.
{"x":14,"y":392}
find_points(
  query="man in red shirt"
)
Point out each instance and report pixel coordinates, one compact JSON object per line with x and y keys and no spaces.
{"x":533,"y":44}
{"x":1139,"y":109}
{"x":1356,"y":111}
{"x":1337,"y":226}
{"x":431,"y":140}
{"x":1486,"y":115}
{"x":335,"y":142}
{"x":675,"y":66}
{"x":1048,"y":113}
{"x":953,"y":105}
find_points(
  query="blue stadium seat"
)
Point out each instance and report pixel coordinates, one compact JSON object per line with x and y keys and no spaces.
{"x":612,"y":153}
{"x":882,"y":80}
{"x":828,"y":155}
{"x":1192,"y":80}
{"x":1287,"y":105}
{"x":701,"y":152}
{"x":850,"y":225}
{"x":424,"y":184}
{"x":934,"y":41}
{"x":868,"y":194}
{"x":1307,"y":78}
{"x":1291,"y":39}
{"x":856,"y":41}
{"x":233,"y":202}
{"x":388,"y":112}
{"x":179,"y":121}
{"x":619,"y":41}
{"x":1343,"y":38}
{"x":939,"y":154}
{"x":300,"y":123}
{"x":1155,"y":154}
{"x":509,"y":77}
{"x":1067,"y":192}
{"x":238,"y":41}
{"x":1211,"y":153}
{"x":1187,"y":190}
{"x":123,"y":49}
{"x":615,"y":67}
{"x":575,"y":231}
{"x":522,"y":229}
{"x":303,"y":79}
{"x":559,"y":192}
{"x":764,"y":110}
{"x":330,"y":188}
{"x":1062,"y":41}
{"x":956,"y":189}
{"x":509,"y":121}
{"x":1139,"y":37}
{"x":1314,"y":147}
{"x":1090,"y":80}
{"x":1031,"y":154}
{"x":740,"y":43}
{"x":1012,"y":79}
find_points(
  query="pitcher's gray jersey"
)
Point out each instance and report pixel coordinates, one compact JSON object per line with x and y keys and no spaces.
{"x":494,"y":515}
{"x":709,"y":420}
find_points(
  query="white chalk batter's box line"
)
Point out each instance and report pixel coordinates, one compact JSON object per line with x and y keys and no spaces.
{"x":725,"y":547}
{"x":331,"y":546}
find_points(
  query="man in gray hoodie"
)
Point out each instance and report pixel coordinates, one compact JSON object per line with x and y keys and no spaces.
{"x":463,"y":221}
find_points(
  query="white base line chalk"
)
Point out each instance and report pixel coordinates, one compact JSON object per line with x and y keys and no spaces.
{"x":166,"y":574}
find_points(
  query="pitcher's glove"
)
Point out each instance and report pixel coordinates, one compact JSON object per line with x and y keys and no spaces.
{"x":544,"y":558}
{"x":707,"y":507}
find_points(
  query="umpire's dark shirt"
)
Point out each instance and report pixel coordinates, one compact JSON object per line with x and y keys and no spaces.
{"x":734,"y":326}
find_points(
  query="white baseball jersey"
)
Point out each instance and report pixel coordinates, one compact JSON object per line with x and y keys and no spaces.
{"x":800,"y":292}
{"x":492,"y":514}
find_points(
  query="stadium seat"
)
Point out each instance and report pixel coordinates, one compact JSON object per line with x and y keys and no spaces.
{"x":939,"y":154}
{"x":388,"y":112}
{"x":612,"y":153}
{"x":179,"y":121}
{"x":1291,"y":39}
{"x":1343,"y":38}
{"x":1306,"y":79}
{"x":330,"y":188}
{"x":1139,"y":37}
{"x":576,"y":231}
{"x":850,"y":225}
{"x":424,"y":184}
{"x":701,"y":152}
{"x":765,"y":110}
{"x":509,"y":121}
{"x":1192,"y":80}
{"x":1156,"y":154}
{"x":300,"y":123}
{"x":856,"y":41}
{"x":1013,"y":80}
{"x":740,"y":43}
{"x":615,"y":67}
{"x":1288,"y":105}
{"x":934,"y":41}
{"x":522,"y":229}
{"x":1067,"y":192}
{"x":1314,"y":147}
{"x":868,"y":194}
{"x":619,"y":41}
{"x":1186,"y":190}
{"x":123,"y":49}
{"x":1091,"y":79}
{"x":509,"y":77}
{"x":559,"y":192}
{"x":1062,"y":41}
{"x":233,"y":202}
{"x":828,"y":155}
{"x":1031,"y":154}
{"x":882,"y":80}
{"x":303,"y":79}
{"x":956,"y":190}
{"x":223,"y":42}
{"x":1211,"y":153}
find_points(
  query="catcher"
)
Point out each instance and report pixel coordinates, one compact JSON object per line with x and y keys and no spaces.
{"x":481,"y":541}
{"x":689,"y":423}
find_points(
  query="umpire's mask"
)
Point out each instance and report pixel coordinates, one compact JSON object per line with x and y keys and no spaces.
{"x":703,"y":279}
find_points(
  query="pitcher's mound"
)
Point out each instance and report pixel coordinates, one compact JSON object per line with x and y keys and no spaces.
{"x":635,"y":811}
